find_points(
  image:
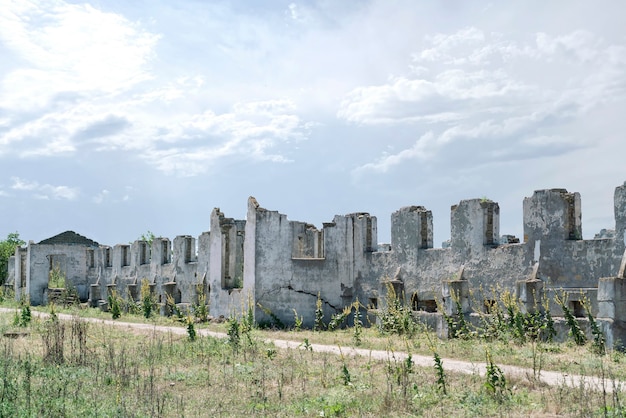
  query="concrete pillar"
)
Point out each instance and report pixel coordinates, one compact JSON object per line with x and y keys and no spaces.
{"x":94,"y":295}
{"x":620,"y":215}
{"x":552,"y":215}
{"x":474,"y":224}
{"x":530,"y":292}
{"x":411,"y":229}
{"x":531,"y":295}
{"x":453,"y":291}
{"x":612,"y":307}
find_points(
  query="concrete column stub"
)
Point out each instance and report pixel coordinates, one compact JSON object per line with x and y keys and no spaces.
{"x":531,"y":291}
{"x":454,"y":291}
{"x":612,"y":298}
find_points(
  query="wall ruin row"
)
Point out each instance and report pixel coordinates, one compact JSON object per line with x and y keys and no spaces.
{"x":280,"y":265}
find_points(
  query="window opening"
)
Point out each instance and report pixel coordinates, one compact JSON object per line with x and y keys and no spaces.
{"x":125,"y":255}
{"x":90,"y":259}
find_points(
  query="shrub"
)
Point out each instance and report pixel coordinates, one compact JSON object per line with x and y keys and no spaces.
{"x":495,"y":380}
{"x":396,"y":317}
{"x":297,"y":321}
{"x":574,"y":329}
{"x":191,"y":330}
{"x":440,"y":373}
{"x":115,"y":305}
{"x":201,"y":309}
{"x":147,"y":300}
{"x":319,"y":315}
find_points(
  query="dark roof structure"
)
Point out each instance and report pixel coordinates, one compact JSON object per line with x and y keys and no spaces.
{"x":70,"y":238}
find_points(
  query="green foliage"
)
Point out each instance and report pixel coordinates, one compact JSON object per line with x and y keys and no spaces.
{"x":191,"y":330}
{"x":148,"y":304}
{"x":53,"y":313}
{"x":495,"y":381}
{"x":440,"y":373}
{"x":148,"y":237}
{"x":306,"y":345}
{"x":575,"y":332}
{"x":337,"y":320}
{"x":7,"y":249}
{"x":24,"y":317}
{"x":548,"y":332}
{"x":56,"y":277}
{"x":201,"y":309}
{"x":297,"y":321}
{"x":458,"y":327}
{"x":249,"y":318}
{"x":358,"y":324}
{"x":598,"y":345}
{"x":234,"y":333}
{"x":408,"y":363}
{"x":319,"y":325}
{"x":115,"y":304}
{"x":510,"y":324}
{"x":124,"y":374}
{"x":173,"y":309}
{"x":345,"y":374}
{"x":270,"y":353}
{"x":396,"y":317}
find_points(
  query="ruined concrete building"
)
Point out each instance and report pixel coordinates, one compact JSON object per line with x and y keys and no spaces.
{"x":278,"y":265}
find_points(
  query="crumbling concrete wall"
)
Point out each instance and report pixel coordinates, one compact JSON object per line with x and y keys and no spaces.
{"x":229,"y":290}
{"x":70,"y":260}
{"x":291,"y":267}
{"x":168,"y":267}
{"x":419,"y":270}
{"x":274,"y":265}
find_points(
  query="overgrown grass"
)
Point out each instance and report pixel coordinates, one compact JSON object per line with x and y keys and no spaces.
{"x":564,"y":357}
{"x":74,"y":368}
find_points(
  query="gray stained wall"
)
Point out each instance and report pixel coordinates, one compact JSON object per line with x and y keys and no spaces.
{"x":276,"y":265}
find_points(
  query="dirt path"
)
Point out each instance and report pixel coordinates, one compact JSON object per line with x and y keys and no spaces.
{"x":451,"y":365}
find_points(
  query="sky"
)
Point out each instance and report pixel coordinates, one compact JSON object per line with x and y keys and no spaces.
{"x":118,"y":118}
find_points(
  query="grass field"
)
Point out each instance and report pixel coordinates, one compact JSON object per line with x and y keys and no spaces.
{"x":74,"y":368}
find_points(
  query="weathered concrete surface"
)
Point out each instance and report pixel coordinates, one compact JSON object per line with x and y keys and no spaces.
{"x":275,"y":266}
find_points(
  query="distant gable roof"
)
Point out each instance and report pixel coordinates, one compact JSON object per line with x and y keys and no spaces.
{"x":71,"y":238}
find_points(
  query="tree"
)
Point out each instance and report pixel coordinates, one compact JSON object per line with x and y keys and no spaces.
{"x":148,"y":237}
{"x":7,"y":249}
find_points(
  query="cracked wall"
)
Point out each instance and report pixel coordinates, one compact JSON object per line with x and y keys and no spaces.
{"x":270,"y":262}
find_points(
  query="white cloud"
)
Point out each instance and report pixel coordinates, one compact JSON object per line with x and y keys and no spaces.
{"x":101,"y":197}
{"x":20,"y":184}
{"x":578,"y":46}
{"x":70,"y":47}
{"x":44,"y":191}
{"x":497,"y":108}
{"x":293,"y":11}
{"x":421,"y":150}
{"x":252,"y":131}
{"x":74,"y":62}
{"x":446,"y":48}
{"x":446,"y":97}
{"x":90,"y":64}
